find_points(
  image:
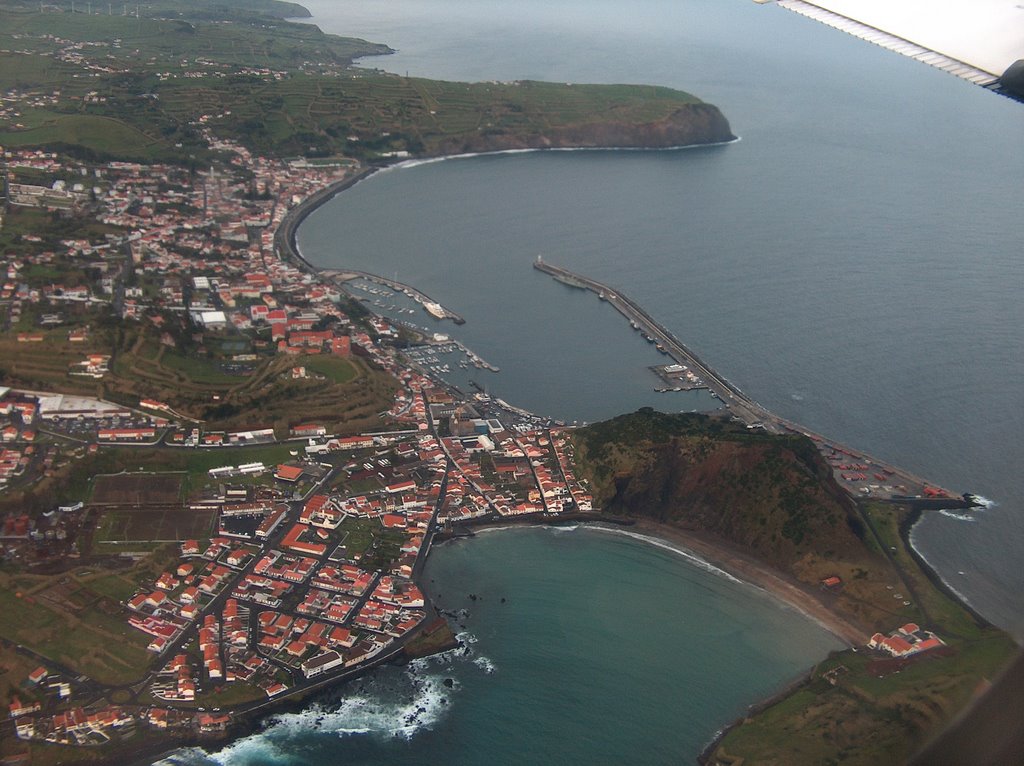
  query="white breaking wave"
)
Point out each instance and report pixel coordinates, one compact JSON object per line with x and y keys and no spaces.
{"x":958,"y":515}
{"x":373,"y":712}
{"x":405,"y":164}
{"x":369,"y":714}
{"x":257,"y":748}
{"x":187,"y":756}
{"x":465,"y":637}
{"x":485,"y":664}
{"x":981,"y":504}
{"x":569,"y":528}
{"x":485,"y":530}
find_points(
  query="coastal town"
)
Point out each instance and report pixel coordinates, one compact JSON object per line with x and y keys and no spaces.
{"x":291,"y":572}
{"x":222,"y":469}
{"x":298,"y":571}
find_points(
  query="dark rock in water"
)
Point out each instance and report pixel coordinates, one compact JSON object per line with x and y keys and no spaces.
{"x":503,"y":599}
{"x":444,"y":700}
{"x":1013,"y":78}
{"x":421,"y":709}
{"x":449,"y":682}
{"x":472,"y":597}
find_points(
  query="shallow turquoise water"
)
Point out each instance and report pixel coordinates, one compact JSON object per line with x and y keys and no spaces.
{"x":583,"y":646}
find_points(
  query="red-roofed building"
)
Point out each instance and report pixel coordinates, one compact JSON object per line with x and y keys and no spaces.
{"x":309,"y":429}
{"x":294,"y":541}
{"x":38,"y":675}
{"x":906,"y":641}
{"x":289,"y":473}
{"x":341,"y":346}
{"x":402,"y":486}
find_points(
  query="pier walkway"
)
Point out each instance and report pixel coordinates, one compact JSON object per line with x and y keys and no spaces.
{"x":856,"y":471}
{"x":742,"y":406}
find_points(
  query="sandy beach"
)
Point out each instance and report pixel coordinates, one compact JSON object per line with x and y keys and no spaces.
{"x":745,"y":567}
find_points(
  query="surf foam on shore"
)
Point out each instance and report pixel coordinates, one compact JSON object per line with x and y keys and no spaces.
{"x":412,"y":163}
{"x":679,"y":550}
{"x":391,"y":703}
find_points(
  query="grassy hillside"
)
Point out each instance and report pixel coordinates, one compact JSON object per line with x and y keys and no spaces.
{"x":774,"y":497}
{"x":142,"y":87}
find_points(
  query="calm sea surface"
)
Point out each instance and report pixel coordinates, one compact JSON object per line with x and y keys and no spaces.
{"x":854,"y":263}
{"x":582,"y":646}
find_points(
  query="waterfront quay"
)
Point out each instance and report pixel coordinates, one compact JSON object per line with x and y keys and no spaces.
{"x":859,"y":473}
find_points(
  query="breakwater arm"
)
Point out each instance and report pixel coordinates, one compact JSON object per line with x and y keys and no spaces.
{"x":859,"y":473}
{"x":742,"y":406}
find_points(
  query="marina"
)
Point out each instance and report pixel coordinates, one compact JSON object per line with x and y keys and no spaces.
{"x":431,"y":306}
{"x":440,"y":357}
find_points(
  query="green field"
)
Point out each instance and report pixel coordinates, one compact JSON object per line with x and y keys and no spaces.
{"x":872,"y":716}
{"x":867,"y":720}
{"x":376,"y":546}
{"x":107,"y":135}
{"x":94,"y":642}
{"x":279,"y":102}
{"x":335,"y":369}
{"x":199,"y":371}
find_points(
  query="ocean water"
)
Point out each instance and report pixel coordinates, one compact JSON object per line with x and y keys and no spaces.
{"x":853,"y":263}
{"x":581,"y":646}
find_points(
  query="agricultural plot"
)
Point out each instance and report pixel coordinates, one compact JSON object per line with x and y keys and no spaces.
{"x":118,"y":527}
{"x":84,"y":631}
{"x":139,"y":489}
{"x":46,"y":364}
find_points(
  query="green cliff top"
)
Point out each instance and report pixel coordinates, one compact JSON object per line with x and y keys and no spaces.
{"x":115,"y":86}
{"x":774,"y":498}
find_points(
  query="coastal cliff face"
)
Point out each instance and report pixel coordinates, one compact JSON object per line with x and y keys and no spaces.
{"x":690,"y":124}
{"x":773,"y":496}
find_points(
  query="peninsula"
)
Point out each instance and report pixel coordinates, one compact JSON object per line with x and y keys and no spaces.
{"x":221,"y":473}
{"x":143,"y":87}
